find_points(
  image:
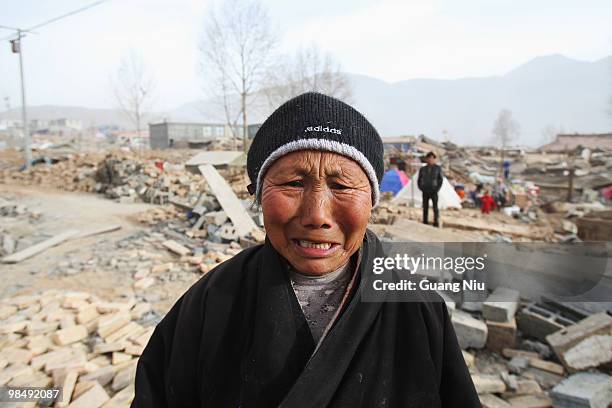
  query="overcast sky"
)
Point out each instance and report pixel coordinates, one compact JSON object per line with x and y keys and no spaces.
{"x":71,"y":61}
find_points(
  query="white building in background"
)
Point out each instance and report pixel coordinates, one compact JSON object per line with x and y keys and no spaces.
{"x":59,"y":125}
{"x":8,"y":124}
{"x":39,"y":124}
{"x":181,"y":135}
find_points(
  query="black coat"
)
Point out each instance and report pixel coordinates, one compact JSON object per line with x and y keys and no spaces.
{"x":238,"y":338}
{"x":430,"y":178}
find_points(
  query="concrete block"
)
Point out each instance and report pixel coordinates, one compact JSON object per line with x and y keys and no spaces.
{"x":501,"y":305}
{"x":530,"y":401}
{"x":501,"y":335}
{"x":488,"y":383}
{"x":470,"y":360}
{"x":145,"y":283}
{"x":67,"y":386}
{"x":102,"y":348}
{"x":565,"y":339}
{"x":592,"y":390}
{"x":547,"y":366}
{"x":120,"y":358}
{"x":510,"y":353}
{"x":518,"y":364}
{"x":40,"y":361}
{"x":87,"y":314}
{"x":39,"y":344}
{"x":534,"y":321}
{"x":140,"y":309}
{"x":121,"y":399}
{"x":94,"y":397}
{"x":69,"y":335}
{"x":217,"y":218}
{"x":471,"y":332}
{"x":125,"y":376}
{"x":102,"y":375}
{"x":123,"y":333}
{"x":15,"y":355}
{"x":491,"y":401}
{"x":111,"y":323}
{"x":594,"y":351}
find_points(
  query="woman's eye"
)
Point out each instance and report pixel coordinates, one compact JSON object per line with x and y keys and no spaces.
{"x":294,"y":183}
{"x":338,"y":186}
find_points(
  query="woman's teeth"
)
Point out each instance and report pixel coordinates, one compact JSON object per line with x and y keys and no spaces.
{"x":308,"y":244}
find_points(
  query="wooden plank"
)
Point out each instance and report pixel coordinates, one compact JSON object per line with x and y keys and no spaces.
{"x":97,"y":231}
{"x":241,"y":219}
{"x":213,"y":158}
{"x":40,"y":247}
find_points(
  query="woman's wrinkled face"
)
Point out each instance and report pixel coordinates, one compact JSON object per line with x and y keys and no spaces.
{"x":316,"y":207}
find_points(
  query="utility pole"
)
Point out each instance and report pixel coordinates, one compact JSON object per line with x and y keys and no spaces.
{"x":18,"y":48}
{"x":572,"y":171}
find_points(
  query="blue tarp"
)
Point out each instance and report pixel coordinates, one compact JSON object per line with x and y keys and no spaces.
{"x":392,"y":182}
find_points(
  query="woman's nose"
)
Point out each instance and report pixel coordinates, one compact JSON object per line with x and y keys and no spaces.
{"x":315,"y":210}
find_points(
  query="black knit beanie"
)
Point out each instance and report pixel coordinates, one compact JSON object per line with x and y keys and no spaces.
{"x":313,"y":121}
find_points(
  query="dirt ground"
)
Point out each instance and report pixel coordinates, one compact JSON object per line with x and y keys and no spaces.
{"x":61,"y":211}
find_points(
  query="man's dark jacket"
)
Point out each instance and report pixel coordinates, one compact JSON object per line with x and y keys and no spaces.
{"x":430,"y":178}
{"x":238,"y":338}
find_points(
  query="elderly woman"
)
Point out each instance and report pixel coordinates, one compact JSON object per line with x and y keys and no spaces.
{"x":284,"y":323}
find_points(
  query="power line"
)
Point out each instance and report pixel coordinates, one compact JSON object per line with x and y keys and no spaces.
{"x":67,"y":14}
{"x":17,"y":47}
{"x":9,"y":28}
{"x":44,"y":23}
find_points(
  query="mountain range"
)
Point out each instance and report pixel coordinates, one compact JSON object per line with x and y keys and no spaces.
{"x":547,"y":92}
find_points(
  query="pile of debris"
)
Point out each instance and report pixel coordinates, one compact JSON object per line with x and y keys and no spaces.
{"x":87,"y":346}
{"x":123,"y":176}
{"x":162,"y":254}
{"x":130,"y":180}
{"x":492,"y":227}
{"x":16,"y":239}
{"x":74,"y":173}
{"x":553,"y":355}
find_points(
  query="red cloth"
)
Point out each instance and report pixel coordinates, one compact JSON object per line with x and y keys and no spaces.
{"x":486,"y":204}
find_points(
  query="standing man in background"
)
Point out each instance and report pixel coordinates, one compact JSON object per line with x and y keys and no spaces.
{"x":430,"y":181}
{"x":506,"y":166}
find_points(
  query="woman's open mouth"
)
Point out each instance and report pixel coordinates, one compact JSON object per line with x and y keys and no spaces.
{"x":313,"y":249}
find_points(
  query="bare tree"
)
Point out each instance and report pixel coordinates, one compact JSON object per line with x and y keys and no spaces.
{"x":235,"y":48}
{"x":505,"y":129}
{"x":133,"y":87}
{"x":309,"y":69}
{"x":550,"y":132}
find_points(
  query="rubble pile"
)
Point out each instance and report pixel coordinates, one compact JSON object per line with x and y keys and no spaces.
{"x":149,"y":257}
{"x":74,"y":173}
{"x":14,"y":239}
{"x":87,"y":346}
{"x":130,"y":180}
{"x":493,"y":227}
{"x":536,"y":355}
{"x":122,"y":176}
